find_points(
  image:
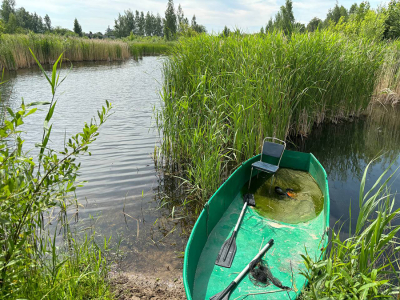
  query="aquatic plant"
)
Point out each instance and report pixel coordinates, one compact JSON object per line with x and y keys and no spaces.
{"x":40,"y":258}
{"x":364,"y":265}
{"x":223,"y":95}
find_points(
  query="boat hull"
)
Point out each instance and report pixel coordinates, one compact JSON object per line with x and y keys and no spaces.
{"x":202,"y":278}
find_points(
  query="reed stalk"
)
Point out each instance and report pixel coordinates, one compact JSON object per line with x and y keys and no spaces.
{"x":223,"y":95}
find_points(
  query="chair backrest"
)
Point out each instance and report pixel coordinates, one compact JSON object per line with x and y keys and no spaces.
{"x":272,"y":149}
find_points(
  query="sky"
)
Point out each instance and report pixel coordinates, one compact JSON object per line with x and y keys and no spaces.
{"x":247,"y":15}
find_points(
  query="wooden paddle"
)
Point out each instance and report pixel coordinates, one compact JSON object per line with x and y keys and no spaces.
{"x":224,"y":295}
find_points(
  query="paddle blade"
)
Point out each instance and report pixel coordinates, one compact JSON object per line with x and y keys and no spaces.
{"x":218,"y":296}
{"x":227,"y":253}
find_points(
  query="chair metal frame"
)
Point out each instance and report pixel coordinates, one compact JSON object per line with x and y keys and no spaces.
{"x":273,"y":139}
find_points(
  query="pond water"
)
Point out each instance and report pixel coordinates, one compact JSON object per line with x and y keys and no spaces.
{"x":346,"y":148}
{"x":124,"y":187}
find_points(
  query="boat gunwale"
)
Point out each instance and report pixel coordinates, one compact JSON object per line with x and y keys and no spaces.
{"x":204,"y":211}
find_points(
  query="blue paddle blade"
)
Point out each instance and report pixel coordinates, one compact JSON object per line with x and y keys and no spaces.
{"x":227,"y":253}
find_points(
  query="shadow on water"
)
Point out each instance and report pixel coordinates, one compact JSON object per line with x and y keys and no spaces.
{"x":344,"y":149}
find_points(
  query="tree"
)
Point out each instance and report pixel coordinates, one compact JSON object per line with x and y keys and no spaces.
{"x":37,"y":23}
{"x":270,"y":26}
{"x":197,"y":27}
{"x":77,"y":27}
{"x":141,"y":24}
{"x":181,"y":18}
{"x":284,"y":19}
{"x":226,"y":31}
{"x":336,"y":13}
{"x":7,"y":8}
{"x":47,"y":22}
{"x":314,"y":24}
{"x":24,"y":18}
{"x":170,"y":21}
{"x":149,"y":24}
{"x":158,"y":26}
{"x":12,"y":23}
{"x":392,"y":23}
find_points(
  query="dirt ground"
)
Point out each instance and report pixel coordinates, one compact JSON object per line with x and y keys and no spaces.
{"x":138,"y":286}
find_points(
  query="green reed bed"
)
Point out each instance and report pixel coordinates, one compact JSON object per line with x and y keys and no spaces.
{"x":222,"y":96}
{"x":14,"y":49}
{"x":140,"y":49}
{"x":388,"y":88}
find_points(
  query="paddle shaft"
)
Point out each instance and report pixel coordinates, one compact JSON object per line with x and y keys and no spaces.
{"x":236,"y":229}
{"x":245,"y":270}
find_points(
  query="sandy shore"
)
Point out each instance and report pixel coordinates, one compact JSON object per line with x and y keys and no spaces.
{"x":138,"y":286}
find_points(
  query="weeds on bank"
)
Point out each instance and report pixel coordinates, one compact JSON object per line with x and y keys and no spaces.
{"x":40,"y":258}
{"x":365,"y":265}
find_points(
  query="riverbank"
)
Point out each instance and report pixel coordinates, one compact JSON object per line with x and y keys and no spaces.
{"x":15,"y":54}
{"x":138,"y":286}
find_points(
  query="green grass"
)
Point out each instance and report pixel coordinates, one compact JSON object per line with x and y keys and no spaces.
{"x":222,"y":96}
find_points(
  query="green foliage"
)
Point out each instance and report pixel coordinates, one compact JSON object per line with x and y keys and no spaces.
{"x":77,"y":27}
{"x":223,"y":95}
{"x":364,"y":265}
{"x":370,"y":25}
{"x":392,"y":22}
{"x":7,"y":8}
{"x":314,"y":24}
{"x":31,"y":263}
{"x":170,"y":25}
{"x":47,"y":22}
{"x":284,"y":19}
{"x":197,"y":27}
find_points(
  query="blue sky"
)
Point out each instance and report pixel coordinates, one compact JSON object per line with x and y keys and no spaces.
{"x":248,"y":15}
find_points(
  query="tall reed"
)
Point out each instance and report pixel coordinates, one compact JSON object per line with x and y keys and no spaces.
{"x":14,"y":49}
{"x":222,"y":96}
{"x":365,"y":265}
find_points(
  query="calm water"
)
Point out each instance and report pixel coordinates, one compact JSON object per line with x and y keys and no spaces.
{"x":120,"y":197}
{"x":124,"y":187}
{"x":346,"y":148}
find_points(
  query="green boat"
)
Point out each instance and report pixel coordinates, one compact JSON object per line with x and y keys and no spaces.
{"x":203,"y":278}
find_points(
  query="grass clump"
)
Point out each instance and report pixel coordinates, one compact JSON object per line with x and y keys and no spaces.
{"x":39,"y":256}
{"x":365,"y":265}
{"x":222,"y":95}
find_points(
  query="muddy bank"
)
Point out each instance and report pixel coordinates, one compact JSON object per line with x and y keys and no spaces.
{"x":137,"y":286}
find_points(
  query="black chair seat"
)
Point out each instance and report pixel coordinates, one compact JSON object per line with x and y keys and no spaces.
{"x":266,"y":167}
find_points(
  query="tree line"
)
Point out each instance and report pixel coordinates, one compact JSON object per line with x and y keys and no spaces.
{"x":19,"y":20}
{"x":138,"y":23}
{"x":359,"y":19}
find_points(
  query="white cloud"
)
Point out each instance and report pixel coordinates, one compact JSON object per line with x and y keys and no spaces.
{"x":248,"y":15}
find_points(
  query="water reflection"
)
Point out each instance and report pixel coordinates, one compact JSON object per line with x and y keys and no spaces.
{"x":125,"y":188}
{"x":346,"y":148}
{"x":119,"y":198}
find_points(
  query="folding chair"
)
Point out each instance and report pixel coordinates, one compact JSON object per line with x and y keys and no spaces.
{"x":274,"y":152}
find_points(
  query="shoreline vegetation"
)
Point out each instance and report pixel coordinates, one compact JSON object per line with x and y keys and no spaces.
{"x":15,"y":54}
{"x":217,"y":108}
